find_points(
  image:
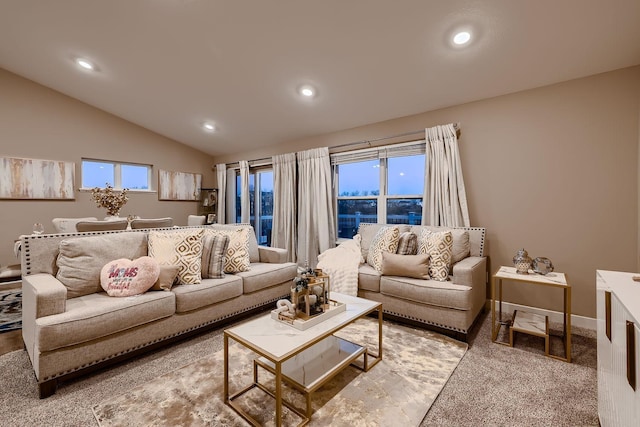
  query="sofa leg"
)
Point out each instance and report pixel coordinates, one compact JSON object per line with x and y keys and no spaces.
{"x":48,"y":388}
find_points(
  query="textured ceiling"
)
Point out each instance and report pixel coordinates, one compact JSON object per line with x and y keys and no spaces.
{"x":168,"y":65}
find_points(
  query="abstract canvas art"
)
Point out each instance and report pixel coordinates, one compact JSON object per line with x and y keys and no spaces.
{"x":36,"y":179}
{"x":179,"y":185}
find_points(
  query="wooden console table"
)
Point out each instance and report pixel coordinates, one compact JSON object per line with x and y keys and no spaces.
{"x":530,"y":323}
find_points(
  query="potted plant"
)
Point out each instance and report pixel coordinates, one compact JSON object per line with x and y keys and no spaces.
{"x":108,"y":198}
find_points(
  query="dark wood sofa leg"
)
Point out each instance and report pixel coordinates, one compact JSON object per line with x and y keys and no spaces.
{"x":48,"y":388}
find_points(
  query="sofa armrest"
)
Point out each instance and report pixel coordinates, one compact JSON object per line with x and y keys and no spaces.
{"x":471,"y":271}
{"x":43,"y":295}
{"x":272,"y":255}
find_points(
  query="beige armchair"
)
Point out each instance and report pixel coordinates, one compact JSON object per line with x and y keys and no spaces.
{"x":120,"y":224}
{"x":196,"y":220}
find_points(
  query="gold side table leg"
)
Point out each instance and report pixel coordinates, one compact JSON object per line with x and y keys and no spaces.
{"x":278,"y":394}
{"x":567,"y":329}
{"x":226,"y":368}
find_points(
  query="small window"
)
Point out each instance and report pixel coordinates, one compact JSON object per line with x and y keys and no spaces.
{"x":98,"y":173}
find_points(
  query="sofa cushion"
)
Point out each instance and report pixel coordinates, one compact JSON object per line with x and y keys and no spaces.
{"x":433,"y":292}
{"x":97,"y":315}
{"x":214,"y":248}
{"x":124,"y":277}
{"x":181,"y":247}
{"x":210,"y":291}
{"x":438,"y":246}
{"x":407,"y":243}
{"x":166,"y":278}
{"x":254,"y":255}
{"x":416,"y":266}
{"x":461,"y":247}
{"x":80,"y":259}
{"x":367,"y":232}
{"x":368,"y":278}
{"x":385,"y":240}
{"x":237,"y":257}
{"x":263,"y":275}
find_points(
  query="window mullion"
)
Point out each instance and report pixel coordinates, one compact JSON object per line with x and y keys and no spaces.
{"x":117,"y":179}
{"x":257,"y":205}
{"x":382,"y":198}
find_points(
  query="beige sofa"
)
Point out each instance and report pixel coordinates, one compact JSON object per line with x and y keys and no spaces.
{"x":65,"y":337}
{"x":450,"y":307}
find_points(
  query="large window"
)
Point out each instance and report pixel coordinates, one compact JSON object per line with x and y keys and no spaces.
{"x":98,"y":173}
{"x":379,"y":185}
{"x":261,"y":190}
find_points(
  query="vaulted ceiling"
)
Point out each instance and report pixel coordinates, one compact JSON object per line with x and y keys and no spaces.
{"x":172,"y":65}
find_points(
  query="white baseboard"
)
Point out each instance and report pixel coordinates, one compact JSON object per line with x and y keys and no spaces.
{"x":554,"y":316}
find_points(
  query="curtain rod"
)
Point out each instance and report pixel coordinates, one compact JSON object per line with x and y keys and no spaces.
{"x":456,"y":126}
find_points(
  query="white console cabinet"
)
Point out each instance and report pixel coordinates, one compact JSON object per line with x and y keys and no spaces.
{"x":618,"y":310}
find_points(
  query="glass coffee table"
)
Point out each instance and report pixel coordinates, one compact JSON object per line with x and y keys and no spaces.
{"x":304,"y":359}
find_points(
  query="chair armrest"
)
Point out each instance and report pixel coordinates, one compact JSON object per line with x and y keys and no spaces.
{"x":471,"y":271}
{"x":272,"y":255}
{"x":42,"y":295}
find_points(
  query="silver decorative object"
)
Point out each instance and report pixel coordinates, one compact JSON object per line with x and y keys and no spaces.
{"x":542,"y":265}
{"x":522,"y":262}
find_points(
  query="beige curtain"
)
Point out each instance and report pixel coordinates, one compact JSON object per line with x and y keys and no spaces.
{"x":221,"y":175}
{"x":445,"y":200}
{"x":283,"y":231}
{"x":245,"y":211}
{"x":316,"y":224}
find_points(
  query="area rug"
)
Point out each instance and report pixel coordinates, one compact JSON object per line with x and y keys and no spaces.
{"x":397,"y":391}
{"x":10,"y":310}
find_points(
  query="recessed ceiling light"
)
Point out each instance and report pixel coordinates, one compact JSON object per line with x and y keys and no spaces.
{"x":209,"y":127}
{"x":84,"y":63}
{"x":462,"y":37}
{"x":307,"y":91}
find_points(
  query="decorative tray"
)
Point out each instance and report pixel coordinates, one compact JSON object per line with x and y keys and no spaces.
{"x":330,"y":310}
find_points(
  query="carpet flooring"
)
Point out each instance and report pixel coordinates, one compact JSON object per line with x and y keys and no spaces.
{"x":10,"y":310}
{"x":398,"y":390}
{"x":492,"y":386}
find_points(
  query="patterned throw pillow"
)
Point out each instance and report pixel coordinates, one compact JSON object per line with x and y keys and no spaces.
{"x":407,"y":244}
{"x":385,"y":240}
{"x":213,"y":255}
{"x":438,"y":245}
{"x":236,"y":258}
{"x":179,"y":247}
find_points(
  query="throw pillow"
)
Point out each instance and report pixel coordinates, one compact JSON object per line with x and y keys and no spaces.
{"x":461,"y":246}
{"x":80,"y":259}
{"x":236,"y":257}
{"x":385,"y":240}
{"x":182,"y":248}
{"x":416,"y":266}
{"x":438,"y":245}
{"x":407,"y":243}
{"x":124,"y":278}
{"x":213,"y":256}
{"x":166,"y":279}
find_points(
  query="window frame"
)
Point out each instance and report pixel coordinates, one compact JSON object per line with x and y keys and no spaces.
{"x":256,"y":172}
{"x":382,"y":154}
{"x":117,"y":172}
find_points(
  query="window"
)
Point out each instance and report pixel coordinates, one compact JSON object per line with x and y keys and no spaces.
{"x":382,"y":185}
{"x":260,"y":189}
{"x":98,"y":173}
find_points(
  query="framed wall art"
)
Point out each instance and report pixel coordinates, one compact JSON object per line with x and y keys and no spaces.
{"x":34,"y":179}
{"x":178,"y":185}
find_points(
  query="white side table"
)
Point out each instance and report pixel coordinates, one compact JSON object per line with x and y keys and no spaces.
{"x":530,"y":323}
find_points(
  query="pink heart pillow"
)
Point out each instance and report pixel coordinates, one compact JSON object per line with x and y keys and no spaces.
{"x":123,"y":277}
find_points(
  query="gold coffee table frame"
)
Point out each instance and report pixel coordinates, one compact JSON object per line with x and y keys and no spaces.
{"x":356,"y":309}
{"x":556,"y":280}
